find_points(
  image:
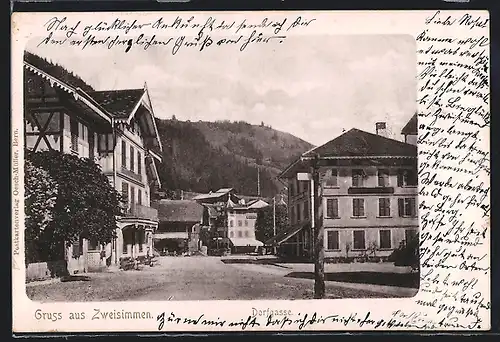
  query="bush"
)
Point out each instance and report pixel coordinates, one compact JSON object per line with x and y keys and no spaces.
{"x":407,"y":254}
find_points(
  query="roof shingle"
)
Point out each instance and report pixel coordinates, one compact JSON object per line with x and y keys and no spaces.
{"x":355,"y":143}
{"x":119,"y":103}
{"x":179,"y":211}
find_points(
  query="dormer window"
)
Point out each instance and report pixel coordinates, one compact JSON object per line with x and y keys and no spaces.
{"x":358,"y":177}
{"x":407,"y":178}
{"x":383,"y":178}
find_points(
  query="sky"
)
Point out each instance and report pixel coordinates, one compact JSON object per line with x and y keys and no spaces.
{"x":312,"y":87}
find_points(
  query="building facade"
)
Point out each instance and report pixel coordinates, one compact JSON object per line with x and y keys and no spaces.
{"x":367,"y":192}
{"x":117,"y":130}
{"x":230,"y":220}
{"x":179,"y":226}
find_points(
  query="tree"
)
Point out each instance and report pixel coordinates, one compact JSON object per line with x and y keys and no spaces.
{"x":86,"y":205}
{"x":264,"y":224}
{"x":40,"y":194}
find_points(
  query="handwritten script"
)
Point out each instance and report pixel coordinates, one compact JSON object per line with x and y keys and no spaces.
{"x":171,"y":34}
{"x":454,"y":170}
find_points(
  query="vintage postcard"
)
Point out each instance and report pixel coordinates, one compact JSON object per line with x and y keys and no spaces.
{"x":250,"y":171}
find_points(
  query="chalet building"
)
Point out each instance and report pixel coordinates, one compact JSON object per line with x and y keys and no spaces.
{"x":179,"y":226}
{"x":368,"y":193}
{"x":230,"y":220}
{"x":117,"y":130}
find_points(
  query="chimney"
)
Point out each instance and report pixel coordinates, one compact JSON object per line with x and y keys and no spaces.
{"x":381,"y":129}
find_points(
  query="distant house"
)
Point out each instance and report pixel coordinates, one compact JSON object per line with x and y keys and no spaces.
{"x":219,"y":196}
{"x":230,"y":219}
{"x":179,"y":226}
{"x":114,"y":128}
{"x":241,"y":227}
{"x":368,"y":191}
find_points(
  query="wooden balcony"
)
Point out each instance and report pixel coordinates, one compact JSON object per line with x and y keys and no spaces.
{"x":131,"y":174}
{"x":141,"y":212}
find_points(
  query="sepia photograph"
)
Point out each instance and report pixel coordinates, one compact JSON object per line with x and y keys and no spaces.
{"x":271,"y":174}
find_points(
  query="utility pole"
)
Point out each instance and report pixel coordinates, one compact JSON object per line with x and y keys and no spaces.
{"x":274,"y":219}
{"x":258,"y":180}
{"x":319,"y":248}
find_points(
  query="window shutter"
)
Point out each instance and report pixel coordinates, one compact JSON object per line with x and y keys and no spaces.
{"x":401,"y":207}
{"x":413,"y":208}
{"x":361,"y":207}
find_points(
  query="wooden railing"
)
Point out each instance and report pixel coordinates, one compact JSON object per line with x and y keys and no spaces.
{"x":141,"y":211}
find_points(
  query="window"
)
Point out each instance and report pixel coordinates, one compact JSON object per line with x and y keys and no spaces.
{"x":306,"y":209}
{"x":383,"y":178}
{"x":132,"y":196}
{"x":73,"y":123}
{"x":91,"y":145}
{"x":139,"y":196}
{"x":139,"y":163}
{"x":407,"y":178}
{"x":358,"y":207}
{"x":132,"y":159}
{"x":125,"y":193}
{"x":332,"y":208}
{"x":124,"y":154}
{"x":240,"y":233}
{"x":407,"y":207}
{"x":298,"y":212}
{"x":410,"y":234}
{"x":384,"y":207}
{"x":93,"y":245}
{"x":231,"y":234}
{"x":331,"y":177}
{"x":239,"y":223}
{"x":105,"y":143}
{"x":246,"y":223}
{"x":231,"y":223}
{"x":247,"y":234}
{"x":357,"y":177}
{"x":359,"y":239}
{"x":385,"y":239}
{"x":332,"y":240}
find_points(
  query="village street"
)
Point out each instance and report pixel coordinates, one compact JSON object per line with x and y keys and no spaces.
{"x":202,"y":278}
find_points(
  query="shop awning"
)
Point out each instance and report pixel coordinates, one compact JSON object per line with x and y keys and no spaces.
{"x":171,"y":235}
{"x":283,"y":236}
{"x":241,"y":242}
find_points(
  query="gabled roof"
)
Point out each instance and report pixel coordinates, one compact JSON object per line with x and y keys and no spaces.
{"x":257,"y":204}
{"x":411,"y":126}
{"x":224,"y":190}
{"x":110,"y":104}
{"x":358,"y":143}
{"x":119,"y":103}
{"x":179,"y":211}
{"x":77,"y":93}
